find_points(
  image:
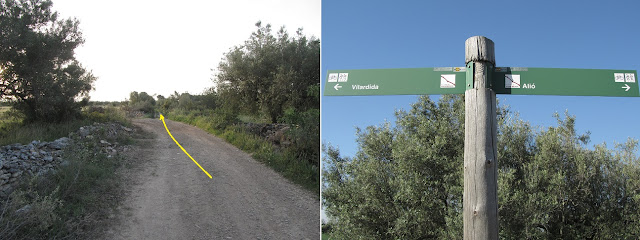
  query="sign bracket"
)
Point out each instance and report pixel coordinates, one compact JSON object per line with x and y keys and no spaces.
{"x":469,"y":76}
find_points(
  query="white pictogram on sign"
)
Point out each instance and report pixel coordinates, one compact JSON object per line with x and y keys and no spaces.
{"x":333,"y":77}
{"x":619,"y":77}
{"x":447,"y":81}
{"x":342,"y":77}
{"x":629,"y":77}
{"x":511,"y":81}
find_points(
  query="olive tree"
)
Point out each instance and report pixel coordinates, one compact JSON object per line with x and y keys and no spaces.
{"x":39,"y":72}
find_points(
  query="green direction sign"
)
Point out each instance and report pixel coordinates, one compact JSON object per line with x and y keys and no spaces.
{"x":566,"y":82}
{"x":401,"y":81}
{"x":505,"y":80}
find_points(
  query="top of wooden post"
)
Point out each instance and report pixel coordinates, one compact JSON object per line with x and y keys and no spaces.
{"x":479,"y":48}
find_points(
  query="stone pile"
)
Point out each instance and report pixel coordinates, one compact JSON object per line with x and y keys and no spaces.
{"x":34,"y":158}
{"x":37,"y":158}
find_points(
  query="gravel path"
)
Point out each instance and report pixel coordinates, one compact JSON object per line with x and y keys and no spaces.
{"x":171,"y":198}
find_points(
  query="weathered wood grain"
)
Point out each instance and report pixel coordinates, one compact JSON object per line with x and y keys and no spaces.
{"x":480,"y":199}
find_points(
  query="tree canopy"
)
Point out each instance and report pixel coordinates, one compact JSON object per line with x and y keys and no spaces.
{"x":268,"y":74}
{"x":405,"y":182}
{"x":141,"y":102}
{"x":38,"y":69}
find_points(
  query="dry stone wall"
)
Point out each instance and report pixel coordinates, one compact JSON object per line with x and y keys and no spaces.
{"x":38,"y":158}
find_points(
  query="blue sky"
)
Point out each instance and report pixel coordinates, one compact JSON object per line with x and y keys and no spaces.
{"x":418,"y":34}
{"x":160,"y":47}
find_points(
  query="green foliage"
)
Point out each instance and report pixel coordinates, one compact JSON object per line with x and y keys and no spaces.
{"x":141,"y":102}
{"x":256,"y":82}
{"x":556,"y":186}
{"x":405,"y":182}
{"x":286,"y":162}
{"x":206,"y":101}
{"x":135,"y":97}
{"x":282,"y":161}
{"x":63,"y":202}
{"x":105,"y":114}
{"x":187,"y":102}
{"x":271,"y":73}
{"x":28,"y":213}
{"x":25,"y":133}
{"x":13,"y":130}
{"x":325,"y":236}
{"x":297,"y":162}
{"x":9,"y":119}
{"x":252,"y":119}
{"x":38,"y":70}
{"x":304,"y":133}
{"x":223,"y":117}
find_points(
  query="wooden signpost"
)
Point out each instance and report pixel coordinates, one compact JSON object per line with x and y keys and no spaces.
{"x":480,"y":197}
{"x":480,"y":80}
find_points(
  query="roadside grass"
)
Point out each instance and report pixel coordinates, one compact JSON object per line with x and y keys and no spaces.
{"x":12,"y":130}
{"x":8,"y":119}
{"x":39,"y":131}
{"x":64,"y":203}
{"x":283,"y":161}
{"x":72,"y":200}
{"x":325,"y":236}
{"x":326,"y":230}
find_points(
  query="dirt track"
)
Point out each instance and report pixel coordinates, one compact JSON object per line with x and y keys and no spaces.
{"x":171,"y":198}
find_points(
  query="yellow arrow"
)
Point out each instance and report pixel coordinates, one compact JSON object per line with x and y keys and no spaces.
{"x":185,"y":151}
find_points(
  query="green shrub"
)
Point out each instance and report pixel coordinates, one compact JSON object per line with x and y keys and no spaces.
{"x":141,"y":102}
{"x":27,"y":212}
{"x":223,"y":117}
{"x":73,"y":197}
{"x":106,"y":114}
{"x":304,"y":133}
{"x":285,"y":161}
{"x":14,"y":131}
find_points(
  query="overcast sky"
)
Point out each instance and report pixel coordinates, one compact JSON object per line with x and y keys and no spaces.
{"x":164,"y":46}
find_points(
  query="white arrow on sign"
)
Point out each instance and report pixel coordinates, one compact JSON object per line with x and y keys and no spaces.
{"x":627,"y":87}
{"x":337,"y":86}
